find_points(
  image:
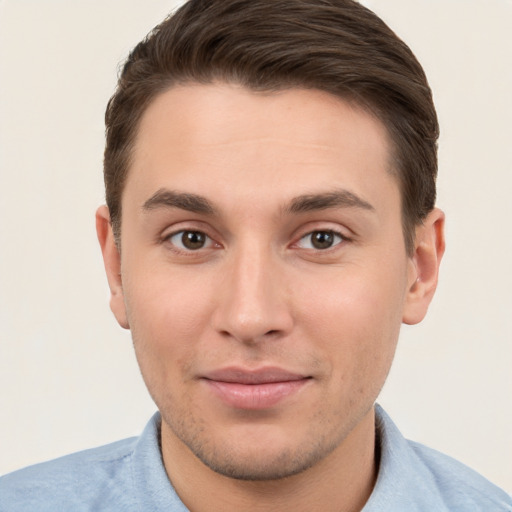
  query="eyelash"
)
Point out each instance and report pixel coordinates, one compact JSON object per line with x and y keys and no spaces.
{"x":179,"y":240}
{"x":179,"y":245}
{"x":338,"y":239}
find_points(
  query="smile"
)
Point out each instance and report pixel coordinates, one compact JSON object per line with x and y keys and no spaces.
{"x":254,"y":390}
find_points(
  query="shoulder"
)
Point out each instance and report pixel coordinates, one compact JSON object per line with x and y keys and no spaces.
{"x":458,"y":484}
{"x":72,"y":482}
{"x":413,"y":477}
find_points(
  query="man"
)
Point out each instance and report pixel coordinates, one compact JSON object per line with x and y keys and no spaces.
{"x":270,"y":223}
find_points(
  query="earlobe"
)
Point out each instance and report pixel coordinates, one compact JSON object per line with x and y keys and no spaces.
{"x":112,"y":262}
{"x":424,"y":267}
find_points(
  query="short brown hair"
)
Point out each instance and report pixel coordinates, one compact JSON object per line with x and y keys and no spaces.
{"x":337,"y":46}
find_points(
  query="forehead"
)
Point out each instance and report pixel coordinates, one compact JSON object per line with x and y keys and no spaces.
{"x":229,"y":141}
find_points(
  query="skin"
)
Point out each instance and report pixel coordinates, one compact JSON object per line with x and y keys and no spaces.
{"x":259,"y":293}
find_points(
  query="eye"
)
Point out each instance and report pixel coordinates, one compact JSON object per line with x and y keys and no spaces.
{"x":320,"y":240}
{"x":190,"y":240}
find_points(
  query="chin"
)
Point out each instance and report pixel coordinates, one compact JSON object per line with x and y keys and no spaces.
{"x":258,"y":452}
{"x":261,"y":466}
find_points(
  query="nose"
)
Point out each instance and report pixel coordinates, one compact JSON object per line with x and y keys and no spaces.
{"x":253,"y":302}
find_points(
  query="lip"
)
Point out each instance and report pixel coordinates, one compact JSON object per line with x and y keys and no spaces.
{"x":258,"y":389}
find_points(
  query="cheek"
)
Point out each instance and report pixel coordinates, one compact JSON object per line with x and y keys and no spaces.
{"x":355,"y":319}
{"x":167,"y":313}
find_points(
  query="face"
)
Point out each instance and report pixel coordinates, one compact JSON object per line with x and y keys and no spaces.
{"x":263,"y":273}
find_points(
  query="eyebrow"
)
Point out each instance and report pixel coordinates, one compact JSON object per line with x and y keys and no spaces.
{"x":164,"y":198}
{"x":336,"y":199}
{"x":194,"y":203}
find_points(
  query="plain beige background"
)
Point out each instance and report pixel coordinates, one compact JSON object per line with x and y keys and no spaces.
{"x":68,"y":377}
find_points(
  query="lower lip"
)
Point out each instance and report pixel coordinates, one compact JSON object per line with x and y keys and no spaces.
{"x":255,"y":396}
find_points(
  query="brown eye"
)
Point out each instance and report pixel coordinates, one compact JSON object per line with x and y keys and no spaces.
{"x":193,"y":239}
{"x":320,"y":240}
{"x":190,"y":240}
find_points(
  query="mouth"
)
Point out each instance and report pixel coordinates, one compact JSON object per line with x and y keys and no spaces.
{"x":254,"y":389}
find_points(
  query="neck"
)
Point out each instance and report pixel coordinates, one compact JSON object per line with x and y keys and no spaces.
{"x":341,"y":482}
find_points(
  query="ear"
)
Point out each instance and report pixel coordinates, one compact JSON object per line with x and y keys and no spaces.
{"x":112,"y":262}
{"x":429,"y":248}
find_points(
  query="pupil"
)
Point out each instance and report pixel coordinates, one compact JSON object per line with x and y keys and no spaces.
{"x":322,"y":239}
{"x":193,"y":239}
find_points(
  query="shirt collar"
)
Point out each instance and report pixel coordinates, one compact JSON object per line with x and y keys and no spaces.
{"x":404,"y":483}
{"x":151,"y":483}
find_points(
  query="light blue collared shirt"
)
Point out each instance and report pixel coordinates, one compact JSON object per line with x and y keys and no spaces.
{"x":129,"y":476}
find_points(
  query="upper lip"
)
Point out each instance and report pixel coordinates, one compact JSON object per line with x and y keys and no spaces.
{"x":265,"y":375}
